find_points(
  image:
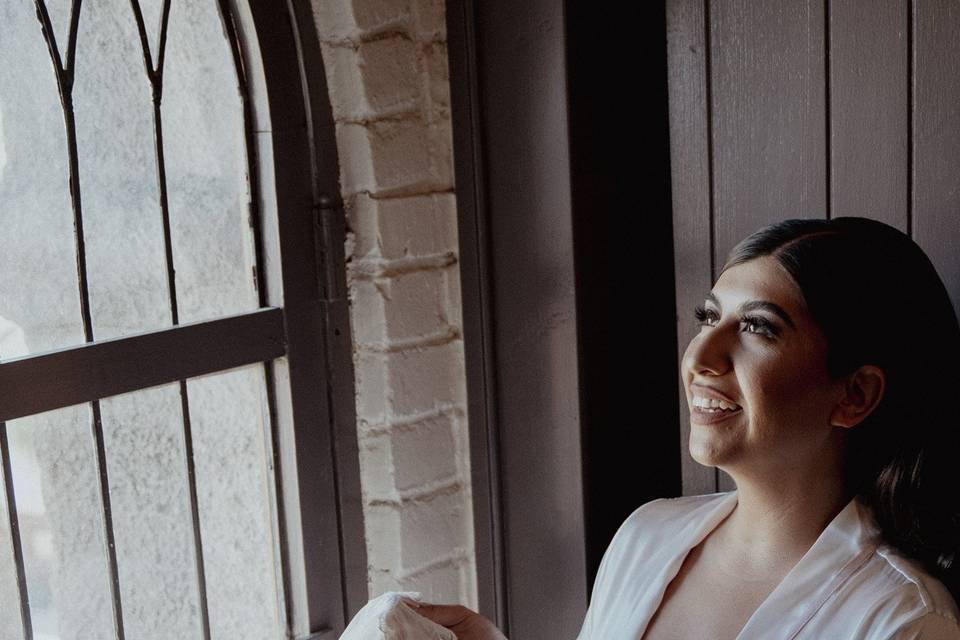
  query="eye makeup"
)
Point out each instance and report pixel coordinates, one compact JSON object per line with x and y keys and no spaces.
{"x":759,"y":324}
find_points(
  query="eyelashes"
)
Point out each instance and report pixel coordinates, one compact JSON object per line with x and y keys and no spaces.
{"x":758,"y":324}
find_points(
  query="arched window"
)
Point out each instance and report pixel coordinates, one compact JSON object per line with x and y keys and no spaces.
{"x":170,"y":312}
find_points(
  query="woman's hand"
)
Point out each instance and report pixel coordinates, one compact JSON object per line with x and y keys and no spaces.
{"x":467,"y":624}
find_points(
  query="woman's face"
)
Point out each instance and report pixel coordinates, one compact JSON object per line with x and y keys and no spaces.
{"x":759,"y":348}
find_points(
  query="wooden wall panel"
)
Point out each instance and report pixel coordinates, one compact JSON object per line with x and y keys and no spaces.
{"x":855,"y":113}
{"x":769,"y":132}
{"x":936,"y":137}
{"x":690,"y":162}
{"x":868,"y":107}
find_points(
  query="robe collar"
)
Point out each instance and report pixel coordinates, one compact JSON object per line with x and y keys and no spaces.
{"x":842,"y":548}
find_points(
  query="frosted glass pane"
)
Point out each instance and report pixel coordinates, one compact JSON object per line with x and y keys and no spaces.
{"x":231,"y":433}
{"x":152,"y":522}
{"x":152,"y":10}
{"x":123,"y":224}
{"x":59,"y":11}
{"x":61,"y":525}
{"x":206,"y":168}
{"x":39,"y":299}
{"x":10,"y":624}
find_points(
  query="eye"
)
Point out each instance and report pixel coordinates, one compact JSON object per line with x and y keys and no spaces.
{"x":755,"y":324}
{"x":759,"y":326}
{"x":704,"y":316}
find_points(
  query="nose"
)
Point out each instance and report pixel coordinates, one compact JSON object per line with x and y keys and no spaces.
{"x":709,"y":352}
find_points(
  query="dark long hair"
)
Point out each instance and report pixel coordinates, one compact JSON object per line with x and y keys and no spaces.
{"x":878,"y":300}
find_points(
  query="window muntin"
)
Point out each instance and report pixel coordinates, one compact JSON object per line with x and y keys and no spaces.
{"x":175,"y":482}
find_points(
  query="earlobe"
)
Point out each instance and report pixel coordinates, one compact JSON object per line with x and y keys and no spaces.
{"x":862,"y":393}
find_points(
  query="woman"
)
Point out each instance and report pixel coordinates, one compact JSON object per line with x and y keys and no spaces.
{"x":821,"y":382}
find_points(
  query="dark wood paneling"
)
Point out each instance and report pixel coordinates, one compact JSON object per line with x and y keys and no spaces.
{"x":769,"y":138}
{"x":690,"y":159}
{"x":869,"y":101}
{"x":936,"y":144}
{"x":767,"y":74}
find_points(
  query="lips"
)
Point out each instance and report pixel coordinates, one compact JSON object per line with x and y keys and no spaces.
{"x":710,"y":392}
{"x":699,"y":416}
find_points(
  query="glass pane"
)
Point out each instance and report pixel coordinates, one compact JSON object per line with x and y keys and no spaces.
{"x":59,"y":11}
{"x":206,"y":168}
{"x":56,"y":486}
{"x":37,"y":244}
{"x":152,"y":10}
{"x":152,"y":520}
{"x":10,"y":624}
{"x":230,"y":425}
{"x":123,"y":223}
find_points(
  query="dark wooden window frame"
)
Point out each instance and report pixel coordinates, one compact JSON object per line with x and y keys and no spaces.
{"x":563,"y":200}
{"x":301,"y":334}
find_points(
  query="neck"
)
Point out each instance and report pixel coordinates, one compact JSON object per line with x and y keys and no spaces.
{"x":775,"y":523}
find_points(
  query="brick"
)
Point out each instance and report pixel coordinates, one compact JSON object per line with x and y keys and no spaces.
{"x":373,"y":80}
{"x":405,"y":226}
{"x":395,"y":157}
{"x":468,"y":585}
{"x":454,"y":299}
{"x":373,"y":395}
{"x":342,"y":67}
{"x":425,"y":453}
{"x":377,"y":468}
{"x":356,"y":164}
{"x":380,"y":581}
{"x":415,"y":304}
{"x":383,"y":534}
{"x":339,"y":20}
{"x":461,"y":435}
{"x":367,"y":312}
{"x":389,"y":70}
{"x":440,"y":585}
{"x":429,"y":20}
{"x":434,"y":527}
{"x":419,"y":379}
{"x":436,"y":79}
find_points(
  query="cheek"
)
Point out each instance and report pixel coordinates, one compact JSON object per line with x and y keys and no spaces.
{"x":786,"y":397}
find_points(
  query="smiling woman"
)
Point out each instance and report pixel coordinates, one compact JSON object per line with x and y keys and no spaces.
{"x":817,"y":402}
{"x":843,"y":523}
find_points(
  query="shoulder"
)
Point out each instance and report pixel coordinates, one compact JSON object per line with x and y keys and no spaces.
{"x":672,"y":510}
{"x":906,"y":600}
{"x":659,"y":520}
{"x":927,"y":626}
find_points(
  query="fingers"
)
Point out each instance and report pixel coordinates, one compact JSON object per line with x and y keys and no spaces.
{"x":446,"y":615}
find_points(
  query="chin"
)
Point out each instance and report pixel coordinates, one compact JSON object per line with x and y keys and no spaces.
{"x":710,"y":452}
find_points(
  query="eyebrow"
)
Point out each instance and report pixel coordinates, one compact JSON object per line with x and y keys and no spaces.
{"x":762,"y":305}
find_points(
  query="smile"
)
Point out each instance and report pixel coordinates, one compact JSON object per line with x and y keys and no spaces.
{"x":704,"y":415}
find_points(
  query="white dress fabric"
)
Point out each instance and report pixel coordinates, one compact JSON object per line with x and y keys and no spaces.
{"x":849,"y":585}
{"x":387,"y":617}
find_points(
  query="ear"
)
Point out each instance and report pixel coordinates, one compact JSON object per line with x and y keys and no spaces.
{"x":862,"y":392}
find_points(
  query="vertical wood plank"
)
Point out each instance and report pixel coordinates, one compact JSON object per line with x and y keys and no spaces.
{"x":690,"y":162}
{"x":868,"y":110}
{"x":768,"y":118}
{"x":936,"y":143}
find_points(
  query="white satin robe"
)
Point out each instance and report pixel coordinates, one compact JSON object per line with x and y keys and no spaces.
{"x":848,"y":586}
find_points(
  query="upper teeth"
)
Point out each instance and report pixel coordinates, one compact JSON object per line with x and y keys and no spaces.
{"x":711,"y":403}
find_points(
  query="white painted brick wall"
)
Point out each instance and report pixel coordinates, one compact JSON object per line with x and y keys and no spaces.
{"x":386,"y":68}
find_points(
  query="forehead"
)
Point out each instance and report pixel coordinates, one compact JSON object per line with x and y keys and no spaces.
{"x":760,"y":279}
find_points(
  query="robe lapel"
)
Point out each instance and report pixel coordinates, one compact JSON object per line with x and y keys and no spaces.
{"x":671,"y":553}
{"x":842,"y":548}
